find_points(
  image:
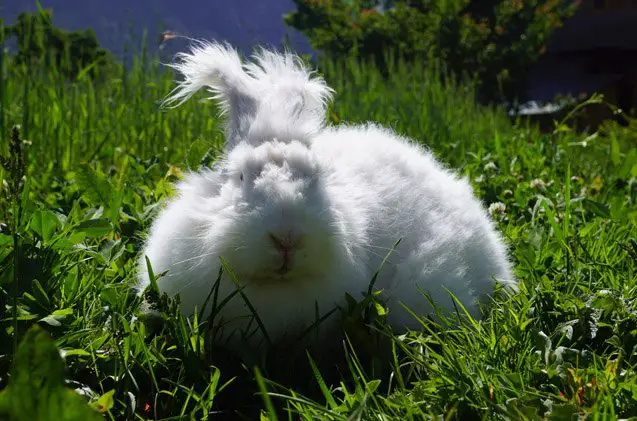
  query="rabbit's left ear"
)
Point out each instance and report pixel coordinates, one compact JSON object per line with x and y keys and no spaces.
{"x":218,"y":67}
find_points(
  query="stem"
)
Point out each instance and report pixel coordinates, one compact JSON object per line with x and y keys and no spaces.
{"x":16,"y":271}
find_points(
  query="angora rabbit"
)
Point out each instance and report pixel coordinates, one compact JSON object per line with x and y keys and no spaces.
{"x":304,"y":213}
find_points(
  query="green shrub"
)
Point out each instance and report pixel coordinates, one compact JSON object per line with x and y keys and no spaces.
{"x":494,"y":41}
{"x":72,"y":54}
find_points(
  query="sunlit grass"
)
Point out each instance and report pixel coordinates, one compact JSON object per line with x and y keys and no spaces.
{"x":101,"y":155}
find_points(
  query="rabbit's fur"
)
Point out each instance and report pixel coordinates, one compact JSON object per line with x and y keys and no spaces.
{"x":304,"y":213}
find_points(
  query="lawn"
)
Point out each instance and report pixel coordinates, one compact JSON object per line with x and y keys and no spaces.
{"x":100,"y":156}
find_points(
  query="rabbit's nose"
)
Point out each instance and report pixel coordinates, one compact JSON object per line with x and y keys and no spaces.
{"x":285,"y":242}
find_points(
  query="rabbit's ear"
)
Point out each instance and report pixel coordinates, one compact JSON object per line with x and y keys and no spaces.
{"x":219,"y":68}
{"x":290,"y":88}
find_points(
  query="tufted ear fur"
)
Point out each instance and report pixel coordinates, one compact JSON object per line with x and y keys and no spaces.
{"x":273,"y":96}
{"x":218,"y":67}
{"x":290,"y":93}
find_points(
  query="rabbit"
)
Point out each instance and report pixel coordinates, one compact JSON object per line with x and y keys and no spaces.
{"x":305,"y":213}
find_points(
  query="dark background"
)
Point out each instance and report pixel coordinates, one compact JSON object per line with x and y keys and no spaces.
{"x":244,"y":23}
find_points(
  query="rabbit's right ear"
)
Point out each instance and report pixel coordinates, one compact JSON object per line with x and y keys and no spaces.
{"x":218,"y":67}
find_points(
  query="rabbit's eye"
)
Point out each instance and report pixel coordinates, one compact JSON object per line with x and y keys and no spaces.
{"x":241,"y":176}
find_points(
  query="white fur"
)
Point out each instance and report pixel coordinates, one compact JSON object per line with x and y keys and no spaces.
{"x":350,"y":192}
{"x":273,"y":96}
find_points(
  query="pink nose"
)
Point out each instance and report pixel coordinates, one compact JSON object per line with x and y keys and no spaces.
{"x":285,"y":242}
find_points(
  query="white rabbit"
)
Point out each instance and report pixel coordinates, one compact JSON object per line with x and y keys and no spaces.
{"x":304,"y":213}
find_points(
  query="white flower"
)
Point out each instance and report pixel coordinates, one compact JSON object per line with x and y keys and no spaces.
{"x":537,"y":183}
{"x":497,"y":208}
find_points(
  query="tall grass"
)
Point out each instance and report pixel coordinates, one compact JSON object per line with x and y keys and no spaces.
{"x":101,"y":156}
{"x":88,"y":119}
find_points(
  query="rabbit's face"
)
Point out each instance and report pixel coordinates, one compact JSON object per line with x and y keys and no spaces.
{"x":286,"y":230}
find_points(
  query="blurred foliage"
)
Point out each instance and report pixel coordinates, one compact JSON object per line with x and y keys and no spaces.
{"x":73,"y":54}
{"x":494,"y":41}
{"x":37,"y":391}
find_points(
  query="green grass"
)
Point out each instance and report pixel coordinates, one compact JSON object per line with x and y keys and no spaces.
{"x":101,"y":156}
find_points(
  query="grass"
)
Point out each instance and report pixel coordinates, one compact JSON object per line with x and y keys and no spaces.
{"x":99,"y":157}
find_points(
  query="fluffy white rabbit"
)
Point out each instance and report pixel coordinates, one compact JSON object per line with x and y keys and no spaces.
{"x":304,"y":213}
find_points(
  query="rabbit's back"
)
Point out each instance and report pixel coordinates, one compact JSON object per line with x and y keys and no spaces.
{"x":401,"y":192}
